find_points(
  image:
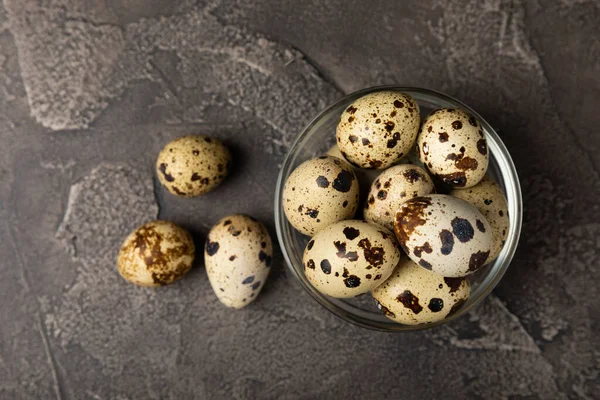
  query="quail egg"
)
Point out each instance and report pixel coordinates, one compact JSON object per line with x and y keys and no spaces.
{"x":238,"y":255}
{"x":452,"y":146}
{"x":319,"y":192}
{"x":444,"y":234}
{"x":193,"y":165}
{"x":350,"y":258}
{"x":392,"y":187}
{"x":491,"y":202}
{"x":378,"y":129}
{"x":155,"y":254}
{"x":412,"y":295}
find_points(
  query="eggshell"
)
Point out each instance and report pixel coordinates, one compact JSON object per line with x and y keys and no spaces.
{"x":444,"y":234}
{"x":491,"y":202}
{"x":193,"y":165}
{"x":238,"y":256}
{"x":320,"y":192}
{"x":452,"y":146}
{"x":412,"y":295}
{"x":156,"y":254}
{"x":393,"y":187}
{"x":350,"y":258}
{"x":378,"y":129}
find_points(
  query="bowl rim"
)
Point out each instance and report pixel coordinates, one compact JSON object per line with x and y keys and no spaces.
{"x":508,"y":174}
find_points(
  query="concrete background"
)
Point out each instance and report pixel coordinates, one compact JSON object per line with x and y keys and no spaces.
{"x":91,"y":90}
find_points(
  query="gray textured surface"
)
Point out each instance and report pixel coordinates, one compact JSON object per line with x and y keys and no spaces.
{"x":90,"y":91}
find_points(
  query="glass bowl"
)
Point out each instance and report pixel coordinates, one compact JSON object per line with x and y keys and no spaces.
{"x":319,"y":136}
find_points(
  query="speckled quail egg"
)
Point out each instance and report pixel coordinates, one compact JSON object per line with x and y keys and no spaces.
{"x":155,"y":254}
{"x":412,"y":295}
{"x":452,"y":146}
{"x":238,"y":256}
{"x":193,"y":165}
{"x":444,"y":234}
{"x":393,"y":187}
{"x":491,"y":202}
{"x":319,"y":192}
{"x":350,"y":258}
{"x":378,"y":129}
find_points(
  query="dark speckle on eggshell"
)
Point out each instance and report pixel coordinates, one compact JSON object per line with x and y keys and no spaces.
{"x":343,"y":182}
{"x":351,"y":233}
{"x":447,"y":239}
{"x":436,"y":304}
{"x":462,"y":229}
{"x":326,"y":266}
{"x":477,"y":260}
{"x":480,"y":226}
{"x":352,"y":281}
{"x":341,"y":251}
{"x":211,"y":248}
{"x":453,"y":283}
{"x":322,"y":182}
{"x":410,"y":301}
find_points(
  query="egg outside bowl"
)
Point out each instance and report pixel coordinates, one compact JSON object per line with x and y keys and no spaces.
{"x":319,"y":136}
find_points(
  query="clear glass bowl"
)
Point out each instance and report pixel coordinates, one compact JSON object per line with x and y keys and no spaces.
{"x":319,"y":136}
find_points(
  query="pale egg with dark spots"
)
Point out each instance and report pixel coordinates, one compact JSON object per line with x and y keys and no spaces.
{"x":393,"y":187}
{"x":320,"y":192}
{"x":453,"y":147}
{"x":413,"y":295}
{"x":193,"y":165}
{"x":443,"y":234}
{"x":238,"y":255}
{"x":156,"y":254}
{"x":378,"y":129}
{"x":350,"y":258}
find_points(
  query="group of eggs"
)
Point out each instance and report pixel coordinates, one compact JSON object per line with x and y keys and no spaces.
{"x":445,"y":237}
{"x":238,"y":251}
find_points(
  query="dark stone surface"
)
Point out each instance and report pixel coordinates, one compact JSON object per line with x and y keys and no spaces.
{"x":90,"y":91}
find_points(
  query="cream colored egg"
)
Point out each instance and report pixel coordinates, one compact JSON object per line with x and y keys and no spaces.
{"x":412,"y":295}
{"x":491,"y":202}
{"x":451,"y":144}
{"x":156,"y":254}
{"x":393,"y":187}
{"x":444,"y":234}
{"x":320,"y":192}
{"x":193,"y":165}
{"x":378,"y":129}
{"x":237,"y":256}
{"x":350,"y":258}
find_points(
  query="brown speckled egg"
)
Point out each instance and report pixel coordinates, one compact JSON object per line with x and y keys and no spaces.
{"x":444,"y":234}
{"x":238,"y":255}
{"x":350,"y":258}
{"x":378,"y":129}
{"x":192,"y":165}
{"x":491,"y":202}
{"x":412,"y":295}
{"x":393,"y":187}
{"x":319,"y":192}
{"x":155,"y":254}
{"x":452,"y":146}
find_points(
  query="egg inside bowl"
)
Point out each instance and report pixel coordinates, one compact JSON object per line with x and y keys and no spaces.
{"x":319,"y":136}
